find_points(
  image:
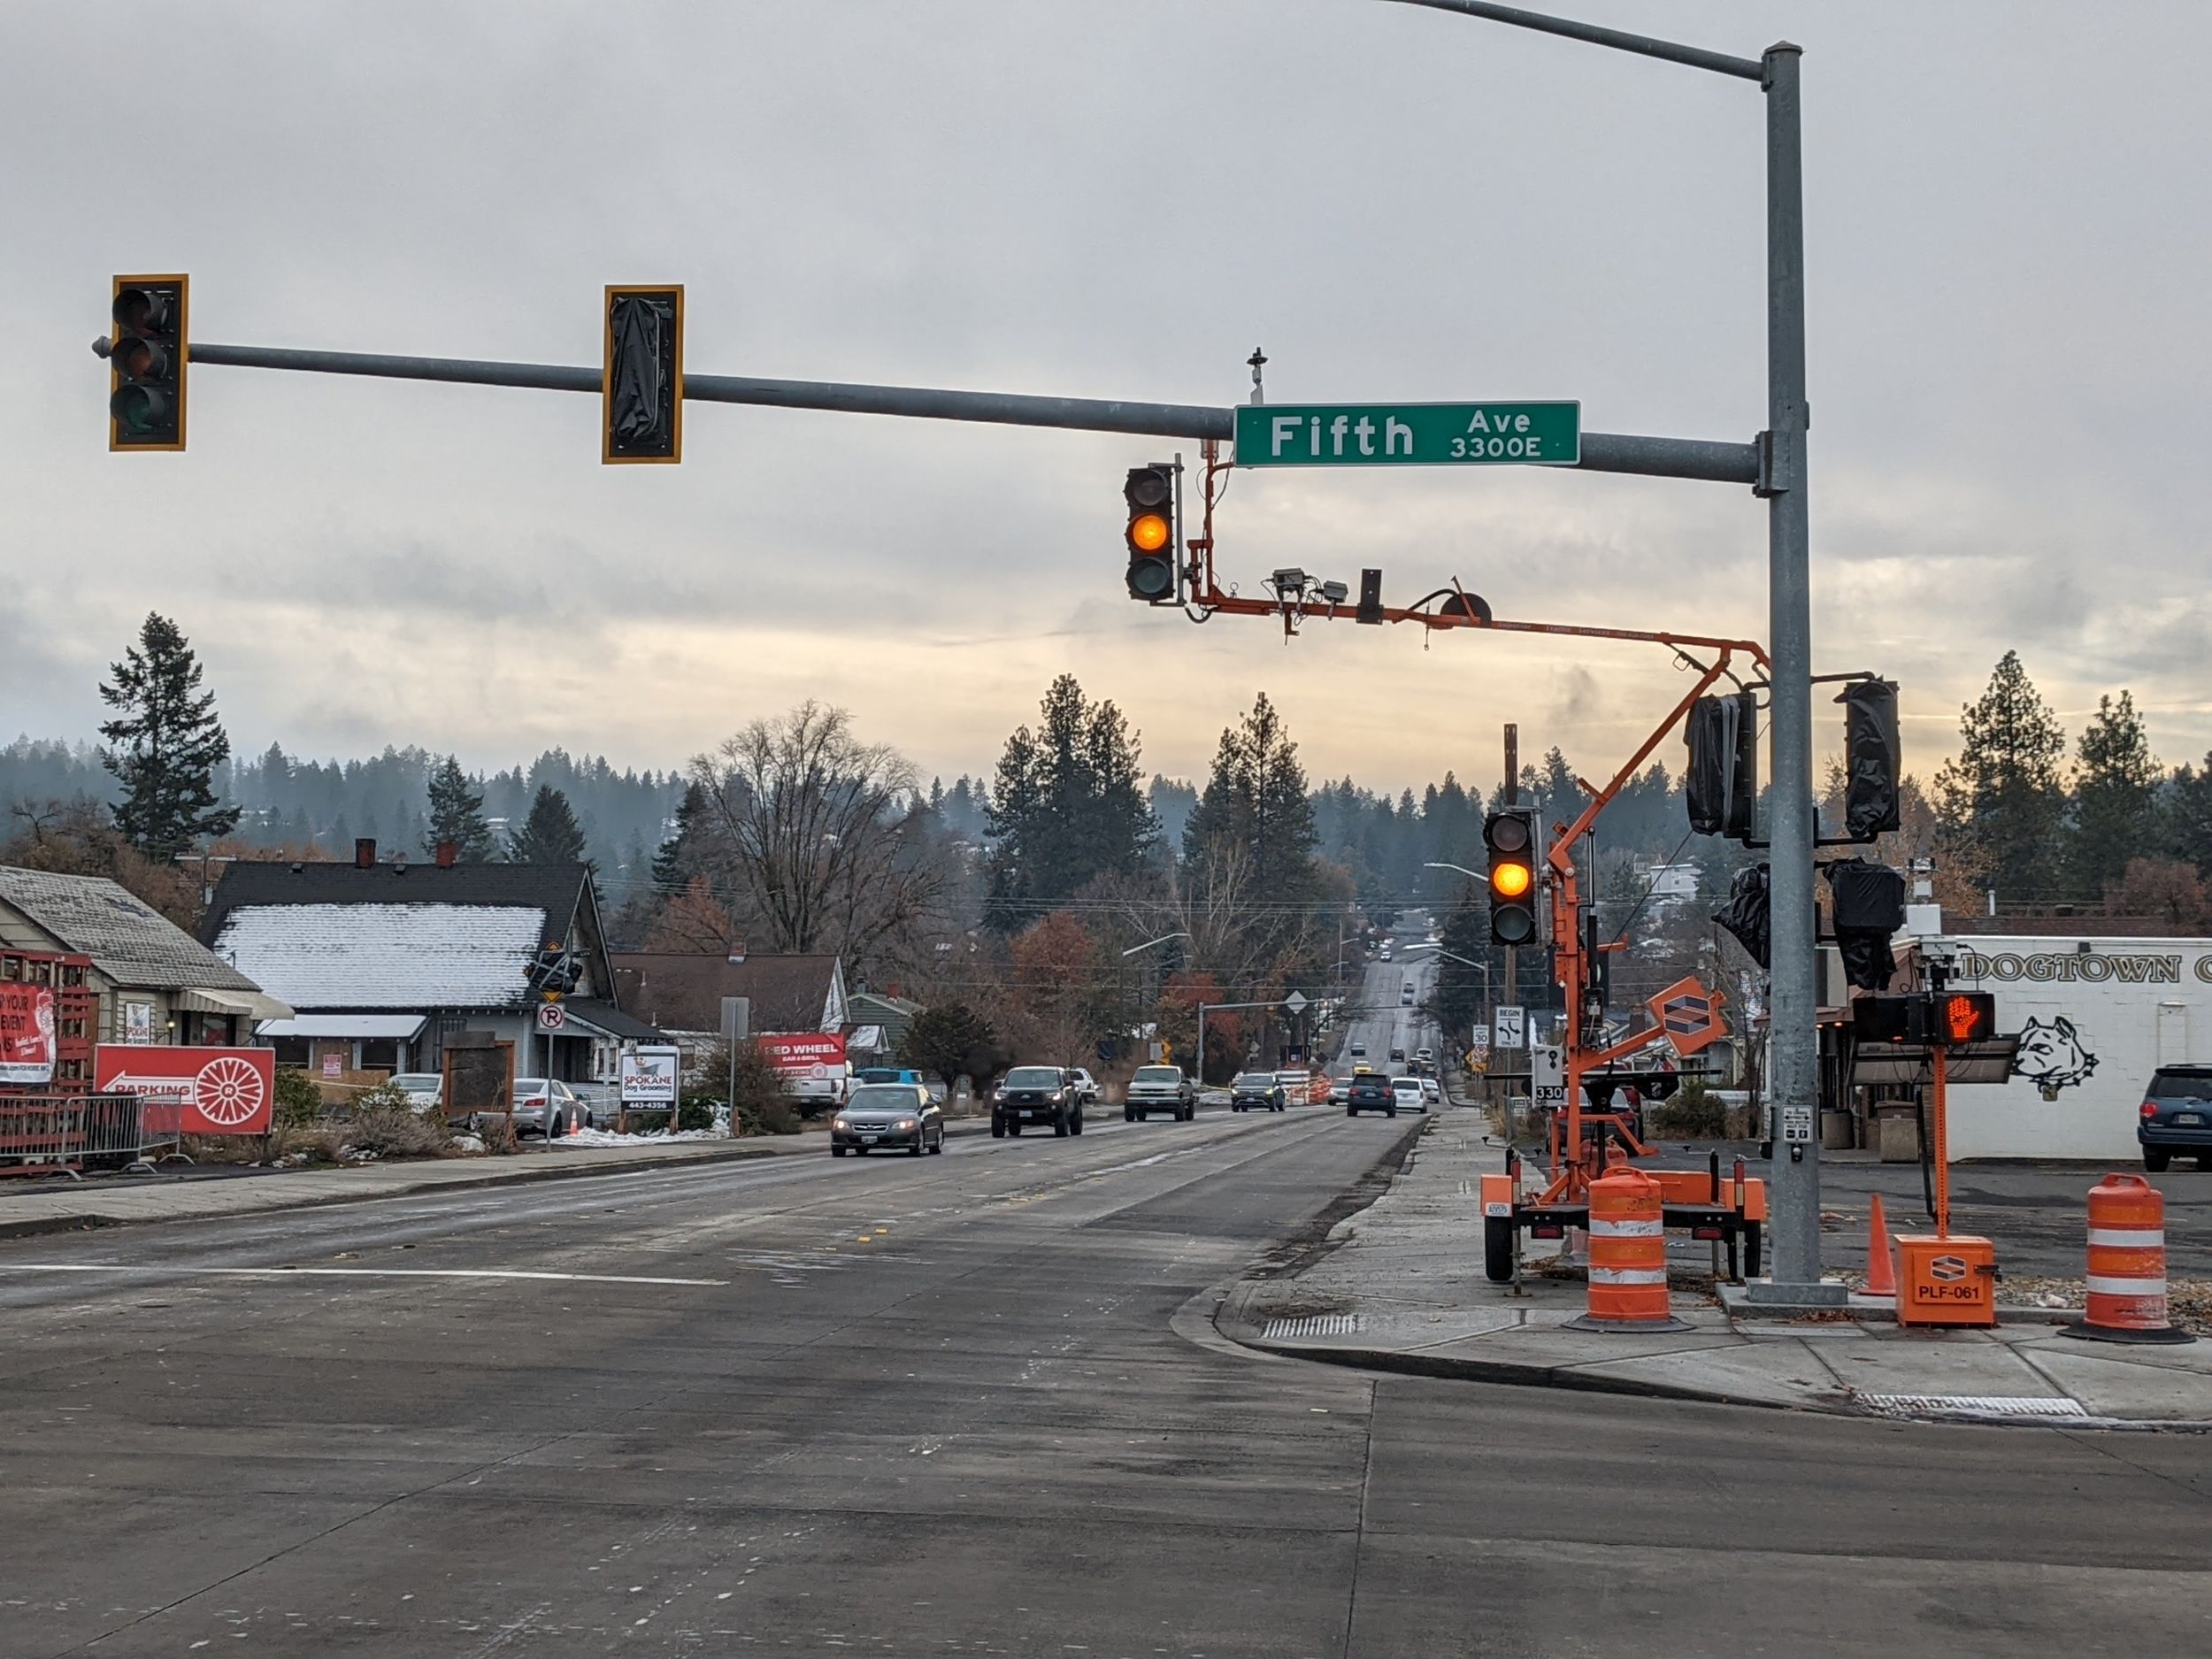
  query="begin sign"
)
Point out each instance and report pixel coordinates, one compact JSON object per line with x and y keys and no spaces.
{"x":1408,"y":435}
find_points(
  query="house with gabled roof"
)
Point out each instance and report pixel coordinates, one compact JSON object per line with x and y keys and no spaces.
{"x":383,"y":961}
{"x":683,"y":990}
{"x":155,"y":982}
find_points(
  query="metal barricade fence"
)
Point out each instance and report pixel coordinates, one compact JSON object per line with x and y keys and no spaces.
{"x":41,"y":1134}
{"x":114,"y":1132}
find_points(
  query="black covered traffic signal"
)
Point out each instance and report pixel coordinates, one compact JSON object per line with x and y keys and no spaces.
{"x":1720,"y":788}
{"x":1150,"y":494}
{"x":643,"y":395}
{"x":1510,"y":837}
{"x":146,"y":363}
{"x":1868,"y":908}
{"x":1869,"y":758}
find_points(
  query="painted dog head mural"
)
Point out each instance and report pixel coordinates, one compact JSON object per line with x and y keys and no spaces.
{"x":2051,"y":1056}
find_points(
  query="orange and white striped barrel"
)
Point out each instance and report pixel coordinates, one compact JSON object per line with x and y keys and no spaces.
{"x":1628,"y":1251}
{"x":2127,"y":1260}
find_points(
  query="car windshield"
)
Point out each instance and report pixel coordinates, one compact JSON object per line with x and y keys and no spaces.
{"x":882,"y":1097}
{"x":1158,"y":1074}
{"x":1032,"y":1077}
{"x":2181,"y":1084}
{"x":529,"y":1086}
{"x":1255,"y":1079}
{"x":1413,"y":1083}
{"x":877,"y":1074}
{"x":418,"y":1080}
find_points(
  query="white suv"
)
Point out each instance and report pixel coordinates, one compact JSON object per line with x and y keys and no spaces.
{"x":1410,"y":1097}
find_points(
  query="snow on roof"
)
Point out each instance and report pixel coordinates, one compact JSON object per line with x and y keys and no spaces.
{"x":130,"y":941}
{"x":386,"y":956}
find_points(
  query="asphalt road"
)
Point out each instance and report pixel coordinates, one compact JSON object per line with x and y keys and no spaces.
{"x":966,"y":1405}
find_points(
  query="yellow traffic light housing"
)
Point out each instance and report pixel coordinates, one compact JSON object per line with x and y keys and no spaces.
{"x":1510,"y":836}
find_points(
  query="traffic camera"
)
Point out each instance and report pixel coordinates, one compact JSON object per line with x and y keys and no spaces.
{"x":1150,"y":495}
{"x":642,"y":396}
{"x":146,"y":363}
{"x":1510,"y":836}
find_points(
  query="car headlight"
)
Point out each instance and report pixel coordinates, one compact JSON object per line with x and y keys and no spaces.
{"x":841,"y":1124}
{"x":905,"y":1123}
{"x":998,"y":1094}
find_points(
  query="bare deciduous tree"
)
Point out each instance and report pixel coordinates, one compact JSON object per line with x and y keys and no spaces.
{"x":822,"y":830}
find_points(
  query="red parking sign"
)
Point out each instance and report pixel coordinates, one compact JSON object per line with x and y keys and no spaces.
{"x":198,"y":1091}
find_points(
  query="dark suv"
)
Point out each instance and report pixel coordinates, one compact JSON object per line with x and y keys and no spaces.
{"x":2177,"y":1116}
{"x":1370,"y":1092}
{"x":1037,"y":1094}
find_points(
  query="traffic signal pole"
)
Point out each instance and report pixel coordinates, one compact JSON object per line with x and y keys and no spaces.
{"x":1792,"y":1067}
{"x":1709,"y":460}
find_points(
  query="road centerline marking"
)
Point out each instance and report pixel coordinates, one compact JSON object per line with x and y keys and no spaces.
{"x":344,"y":1272}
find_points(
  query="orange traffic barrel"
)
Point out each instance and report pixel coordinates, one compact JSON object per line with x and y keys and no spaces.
{"x":2127,"y":1265}
{"x":1628,"y":1255}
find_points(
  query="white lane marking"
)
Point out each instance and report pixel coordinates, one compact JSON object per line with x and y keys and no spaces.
{"x":339,"y":1273}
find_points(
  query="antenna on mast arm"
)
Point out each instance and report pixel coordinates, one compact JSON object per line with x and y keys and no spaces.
{"x":1255,"y":363}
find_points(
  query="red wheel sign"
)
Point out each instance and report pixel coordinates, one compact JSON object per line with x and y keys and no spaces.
{"x":229,"y":1092}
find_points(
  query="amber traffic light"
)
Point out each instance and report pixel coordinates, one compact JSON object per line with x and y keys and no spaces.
{"x":146,"y":363}
{"x":1150,"y":495}
{"x":1510,"y":837}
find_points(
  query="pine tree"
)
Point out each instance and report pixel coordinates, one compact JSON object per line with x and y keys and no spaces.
{"x":168,"y":744}
{"x":550,"y":834}
{"x":2190,"y":815}
{"x":1255,"y":799}
{"x":1999,"y":805}
{"x":679,"y":858}
{"x":2116,"y":784}
{"x":456,"y":815}
{"x":1068,"y":806}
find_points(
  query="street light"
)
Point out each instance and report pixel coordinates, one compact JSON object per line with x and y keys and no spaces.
{"x":1473,"y":875}
{"x":1149,"y":943}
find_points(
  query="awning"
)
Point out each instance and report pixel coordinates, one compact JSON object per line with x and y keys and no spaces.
{"x":237,"y":1004}
{"x":395,"y":1028}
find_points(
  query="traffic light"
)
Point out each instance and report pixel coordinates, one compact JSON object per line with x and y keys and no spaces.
{"x":1511,"y":838}
{"x":642,"y":396}
{"x":1870,"y":758}
{"x":146,"y":363}
{"x":1720,"y":788}
{"x":1150,"y":493}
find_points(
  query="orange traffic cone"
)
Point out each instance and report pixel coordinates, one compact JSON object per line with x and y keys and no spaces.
{"x":1881,"y":1272}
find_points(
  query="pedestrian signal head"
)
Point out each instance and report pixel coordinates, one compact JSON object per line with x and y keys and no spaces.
{"x":1149,"y":493}
{"x":1969,"y":1015}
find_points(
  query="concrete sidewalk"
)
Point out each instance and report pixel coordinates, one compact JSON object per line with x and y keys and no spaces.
{"x":36,"y":1205}
{"x":1400,"y":1286}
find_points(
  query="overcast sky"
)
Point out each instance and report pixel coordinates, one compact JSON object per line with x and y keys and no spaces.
{"x":2009,"y":210}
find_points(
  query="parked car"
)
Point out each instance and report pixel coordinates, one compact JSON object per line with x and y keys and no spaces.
{"x":2176,"y":1117}
{"x":1410,"y":1094}
{"x":888,"y":1115}
{"x":425,"y":1090}
{"x":1159,"y":1088}
{"x":1369,"y":1092}
{"x":547,"y":1108}
{"x":1036,"y":1094}
{"x":1257,"y":1091}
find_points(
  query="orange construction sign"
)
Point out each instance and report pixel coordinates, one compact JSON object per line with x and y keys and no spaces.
{"x":1688,"y":1014}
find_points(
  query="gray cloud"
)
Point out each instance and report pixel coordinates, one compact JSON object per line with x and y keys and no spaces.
{"x":2008,"y":228}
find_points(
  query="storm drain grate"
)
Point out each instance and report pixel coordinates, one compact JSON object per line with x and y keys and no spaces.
{"x":1973,"y":1405}
{"x":1313,"y":1324}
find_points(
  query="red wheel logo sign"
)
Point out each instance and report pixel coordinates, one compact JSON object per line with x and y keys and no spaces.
{"x":229,"y":1091}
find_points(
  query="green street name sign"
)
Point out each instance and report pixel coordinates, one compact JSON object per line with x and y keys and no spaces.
{"x":1408,"y":435}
